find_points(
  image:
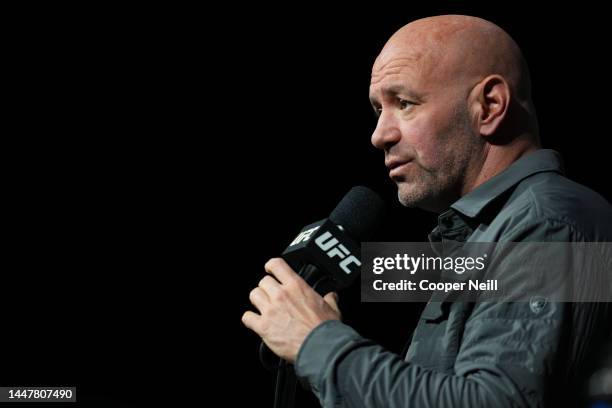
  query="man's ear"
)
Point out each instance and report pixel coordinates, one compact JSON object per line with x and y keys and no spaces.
{"x":492,"y":100}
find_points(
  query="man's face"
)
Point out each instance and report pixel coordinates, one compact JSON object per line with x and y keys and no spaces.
{"x":423,"y":127}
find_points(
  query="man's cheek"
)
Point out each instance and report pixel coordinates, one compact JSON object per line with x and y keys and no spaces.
{"x":427,"y":157}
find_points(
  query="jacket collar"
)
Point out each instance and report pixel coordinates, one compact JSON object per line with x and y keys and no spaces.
{"x":473,"y":203}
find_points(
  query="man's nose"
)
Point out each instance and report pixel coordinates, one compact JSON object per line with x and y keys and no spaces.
{"x":387,"y":133}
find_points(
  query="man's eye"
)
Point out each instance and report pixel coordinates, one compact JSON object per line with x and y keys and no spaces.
{"x":405,"y":104}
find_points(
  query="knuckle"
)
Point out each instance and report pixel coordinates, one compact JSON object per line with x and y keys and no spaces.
{"x":293,"y":285}
{"x":253,"y":293}
{"x":265,"y":280}
{"x":246,"y":317}
{"x":272,"y":263}
{"x":280,"y":295}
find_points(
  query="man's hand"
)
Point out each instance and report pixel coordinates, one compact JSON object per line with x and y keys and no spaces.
{"x":289,"y":309}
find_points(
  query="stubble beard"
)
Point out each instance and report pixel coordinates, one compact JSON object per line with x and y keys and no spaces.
{"x":436,"y":189}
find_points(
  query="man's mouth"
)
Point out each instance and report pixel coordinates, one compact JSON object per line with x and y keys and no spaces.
{"x":396,"y":166}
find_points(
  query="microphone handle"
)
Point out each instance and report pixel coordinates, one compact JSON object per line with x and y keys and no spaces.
{"x":322,"y":284}
{"x":286,"y":381}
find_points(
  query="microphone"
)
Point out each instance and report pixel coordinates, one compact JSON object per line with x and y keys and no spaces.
{"x":326,"y":253}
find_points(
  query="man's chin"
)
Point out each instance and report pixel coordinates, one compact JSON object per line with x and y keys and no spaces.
{"x":412,"y":198}
{"x":408,"y":197}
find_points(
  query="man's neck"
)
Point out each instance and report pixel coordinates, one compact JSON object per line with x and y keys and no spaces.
{"x":496,"y":159}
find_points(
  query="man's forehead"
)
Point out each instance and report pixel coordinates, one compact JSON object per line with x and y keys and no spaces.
{"x":406,"y":65}
{"x":399,"y":54}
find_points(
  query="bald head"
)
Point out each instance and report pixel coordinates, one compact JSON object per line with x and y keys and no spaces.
{"x":453,"y":97}
{"x":458,"y":49}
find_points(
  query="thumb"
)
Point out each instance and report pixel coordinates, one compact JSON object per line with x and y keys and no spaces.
{"x":332,"y":300}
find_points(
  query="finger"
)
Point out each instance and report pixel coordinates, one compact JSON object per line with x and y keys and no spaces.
{"x":332,"y":300}
{"x":259,"y":299}
{"x":252,"y":320}
{"x":281,"y":270}
{"x":270,"y":286}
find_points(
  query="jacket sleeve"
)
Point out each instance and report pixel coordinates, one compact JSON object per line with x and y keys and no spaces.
{"x":500,"y":363}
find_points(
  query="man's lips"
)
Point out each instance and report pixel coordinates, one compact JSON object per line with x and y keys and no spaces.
{"x":395,"y":166}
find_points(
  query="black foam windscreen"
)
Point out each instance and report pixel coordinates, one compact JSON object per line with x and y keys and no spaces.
{"x":360,"y":213}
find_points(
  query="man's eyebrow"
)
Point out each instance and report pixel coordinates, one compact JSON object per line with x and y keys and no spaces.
{"x":395,"y":90}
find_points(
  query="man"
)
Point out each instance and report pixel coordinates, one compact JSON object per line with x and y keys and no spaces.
{"x":460,"y":137}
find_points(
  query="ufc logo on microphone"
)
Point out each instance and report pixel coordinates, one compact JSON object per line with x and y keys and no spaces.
{"x":330,"y":245}
{"x":304,"y":236}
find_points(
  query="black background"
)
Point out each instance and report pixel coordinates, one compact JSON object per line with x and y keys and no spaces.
{"x":157,"y":158}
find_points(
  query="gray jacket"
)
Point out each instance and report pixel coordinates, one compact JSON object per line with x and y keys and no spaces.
{"x":480,"y":354}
